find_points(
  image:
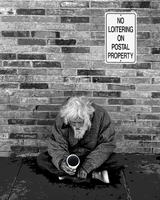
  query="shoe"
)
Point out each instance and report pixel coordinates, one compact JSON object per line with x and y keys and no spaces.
{"x":102,"y":176}
{"x":61,"y":178}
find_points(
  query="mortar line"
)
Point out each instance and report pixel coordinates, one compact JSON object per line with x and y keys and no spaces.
{"x":14,"y":182}
{"x":126,"y":186}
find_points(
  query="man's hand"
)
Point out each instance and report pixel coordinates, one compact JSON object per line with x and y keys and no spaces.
{"x":67,"y":169}
{"x":82,"y":173}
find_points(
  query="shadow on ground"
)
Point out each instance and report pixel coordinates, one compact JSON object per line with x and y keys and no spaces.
{"x":21,"y":179}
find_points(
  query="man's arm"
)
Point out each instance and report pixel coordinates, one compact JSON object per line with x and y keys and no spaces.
{"x":106,"y":145}
{"x":58,"y":145}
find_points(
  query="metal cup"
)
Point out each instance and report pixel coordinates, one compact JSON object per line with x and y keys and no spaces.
{"x":73,"y":161}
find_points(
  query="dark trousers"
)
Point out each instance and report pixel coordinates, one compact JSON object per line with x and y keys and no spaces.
{"x":113,"y":165}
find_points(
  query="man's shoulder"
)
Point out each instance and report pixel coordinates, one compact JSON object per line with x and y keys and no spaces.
{"x":98,"y":108}
{"x":100,"y":111}
{"x":59,"y":120}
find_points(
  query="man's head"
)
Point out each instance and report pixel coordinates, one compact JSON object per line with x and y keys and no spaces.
{"x":77,"y":113}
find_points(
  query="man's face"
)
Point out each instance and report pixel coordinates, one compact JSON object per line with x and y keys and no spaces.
{"x":77,"y":123}
{"x":78,"y":127}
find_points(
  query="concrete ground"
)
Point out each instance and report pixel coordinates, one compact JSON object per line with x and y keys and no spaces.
{"x":20,"y":179}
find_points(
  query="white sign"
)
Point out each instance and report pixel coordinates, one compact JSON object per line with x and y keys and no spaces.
{"x":120,"y":41}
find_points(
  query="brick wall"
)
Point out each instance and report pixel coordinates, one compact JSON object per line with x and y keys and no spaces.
{"x":52,"y":49}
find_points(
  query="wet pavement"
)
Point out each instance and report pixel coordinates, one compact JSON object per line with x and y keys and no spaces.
{"x":20,"y":179}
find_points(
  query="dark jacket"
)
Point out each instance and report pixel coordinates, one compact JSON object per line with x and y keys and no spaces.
{"x":97,"y":144}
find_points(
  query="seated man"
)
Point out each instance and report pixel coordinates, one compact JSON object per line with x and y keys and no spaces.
{"x":84,"y":129}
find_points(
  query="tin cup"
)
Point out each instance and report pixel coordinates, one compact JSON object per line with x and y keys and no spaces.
{"x":73,"y":161}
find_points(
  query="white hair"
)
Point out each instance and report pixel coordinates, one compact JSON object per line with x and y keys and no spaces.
{"x":77,"y":107}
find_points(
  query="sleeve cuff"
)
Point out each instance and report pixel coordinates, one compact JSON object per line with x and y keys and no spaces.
{"x":88,"y":167}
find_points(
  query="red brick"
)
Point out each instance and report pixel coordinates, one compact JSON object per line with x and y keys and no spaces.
{"x":56,"y":100}
{"x":7,"y":11}
{"x":156,"y":137}
{"x":148,"y":87}
{"x":121,"y":101}
{"x":147,"y":130}
{"x":78,"y":93}
{"x":75,"y":49}
{"x":7,"y":56}
{"x":17,"y":64}
{"x":101,"y":4}
{"x":121,"y":87}
{"x":61,"y":42}
{"x":136,"y":4}
{"x":98,"y":35}
{"x":149,"y":101}
{"x":31,"y":11}
{"x":135,"y":94}
{"x":90,"y":72}
{"x":8,"y":71}
{"x":45,"y":122}
{"x":106,"y":80}
{"x":43,"y":4}
{"x":136,"y":149}
{"x":77,"y":79}
{"x":97,"y":20}
{"x":62,"y":86}
{"x":77,"y":64}
{"x":155,"y":50}
{"x":112,"y":108}
{"x":136,"y":80}
{"x":34,"y":85}
{"x":155,"y":109}
{"x":60,"y":12}
{"x":32,"y":71}
{"x":106,"y":94}
{"x":31,"y":42}
{"x":24,"y":149}
{"x":45,"y":34}
{"x":137,"y":137}
{"x":137,"y":66}
{"x":148,"y":116}
{"x":45,"y":93}
{"x":143,"y":35}
{"x":9,"y":86}
{"x":18,"y":19}
{"x":91,"y":42}
{"x":21,"y":121}
{"x":31,"y":56}
{"x":149,"y":144}
{"x":41,"y":115}
{"x":22,"y":136}
{"x":74,"y":19}
{"x":155,"y":20}
{"x":71,"y":4}
{"x":143,"y":20}
{"x":15,"y":33}
{"x":47,"y":64}
{"x":155,"y":80}
{"x":14,"y":107}
{"x":155,"y":35}
{"x":47,"y":107}
{"x":53,"y":115}
{"x":3,"y":107}
{"x":45,"y":19}
{"x":16,"y":149}
{"x":89,"y":27}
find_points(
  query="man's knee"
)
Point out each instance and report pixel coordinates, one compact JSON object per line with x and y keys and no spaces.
{"x":115,"y":162}
{"x":119,"y":160}
{"x":41,"y":159}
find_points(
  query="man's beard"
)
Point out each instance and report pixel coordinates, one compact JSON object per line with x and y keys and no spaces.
{"x":79,"y":133}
